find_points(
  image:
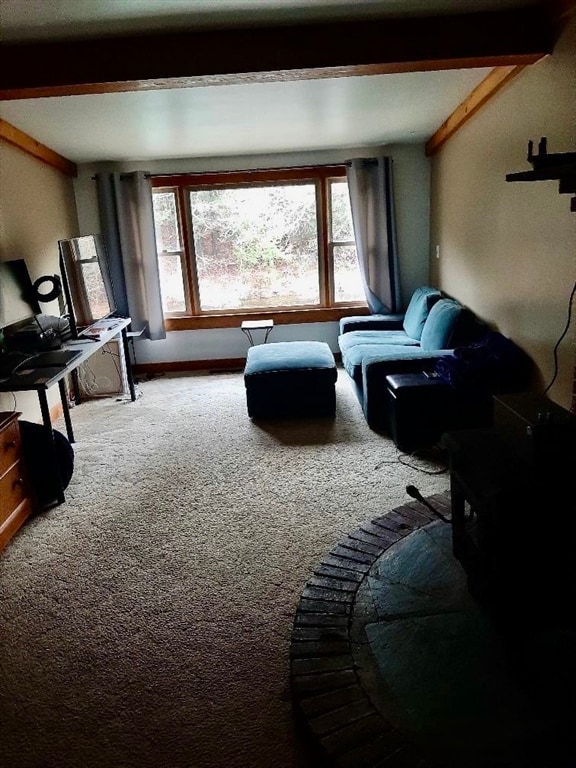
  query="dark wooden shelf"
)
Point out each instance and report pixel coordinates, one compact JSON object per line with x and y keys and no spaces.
{"x":559,"y":166}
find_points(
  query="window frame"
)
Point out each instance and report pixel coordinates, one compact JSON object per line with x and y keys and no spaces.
{"x":194,"y":317}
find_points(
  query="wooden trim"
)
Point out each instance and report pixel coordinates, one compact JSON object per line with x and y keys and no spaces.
{"x":181,"y":366}
{"x":561,"y":10}
{"x":190,"y":273}
{"x":287,"y":52}
{"x":317,"y":175}
{"x":483,"y":92}
{"x":18,"y":138}
{"x":283,"y":317}
{"x":323,"y":223}
{"x":178,"y":366}
{"x":56,"y":412}
{"x":256,"y":176}
{"x":395,"y":68}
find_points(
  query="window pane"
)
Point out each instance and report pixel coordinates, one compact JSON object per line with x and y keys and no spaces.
{"x":166,"y":222}
{"x":342,"y":229}
{"x":256,"y":247}
{"x":171,"y":283}
{"x":347,"y":282}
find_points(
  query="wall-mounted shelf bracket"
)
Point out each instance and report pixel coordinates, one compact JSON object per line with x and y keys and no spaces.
{"x":560,"y":166}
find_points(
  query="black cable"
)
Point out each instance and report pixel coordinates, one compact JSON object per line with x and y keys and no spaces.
{"x":405,"y":459}
{"x":564,"y":332}
{"x":412,"y":491}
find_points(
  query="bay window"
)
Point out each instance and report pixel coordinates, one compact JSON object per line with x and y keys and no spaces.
{"x":255,"y":243}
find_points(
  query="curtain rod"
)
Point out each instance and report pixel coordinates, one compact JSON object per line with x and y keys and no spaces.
{"x":122,"y":175}
{"x":246,"y":170}
{"x":252,"y":170}
{"x":366,"y":160}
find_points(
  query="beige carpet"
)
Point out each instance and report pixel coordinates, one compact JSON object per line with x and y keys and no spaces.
{"x":146,"y":622}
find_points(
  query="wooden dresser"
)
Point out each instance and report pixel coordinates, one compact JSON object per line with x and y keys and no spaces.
{"x":16,"y":499}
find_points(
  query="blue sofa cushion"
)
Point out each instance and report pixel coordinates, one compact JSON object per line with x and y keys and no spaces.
{"x":440,"y":325}
{"x":374,"y":353}
{"x":422,"y":301}
{"x":291,"y":356}
{"x":290,"y":379}
{"x":352,"y":339}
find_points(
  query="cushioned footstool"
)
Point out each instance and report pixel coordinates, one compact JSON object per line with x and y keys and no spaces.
{"x":418,"y":409}
{"x":290,"y":378}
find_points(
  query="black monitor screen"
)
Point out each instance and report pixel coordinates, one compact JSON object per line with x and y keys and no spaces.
{"x":85,"y":270}
{"x":17,"y":298}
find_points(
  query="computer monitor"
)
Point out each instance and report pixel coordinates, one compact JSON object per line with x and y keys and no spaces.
{"x":86,"y":279}
{"x":18,"y":300}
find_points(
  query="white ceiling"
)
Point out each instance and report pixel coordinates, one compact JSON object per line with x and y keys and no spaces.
{"x":245,"y":119}
{"x":240,"y":119}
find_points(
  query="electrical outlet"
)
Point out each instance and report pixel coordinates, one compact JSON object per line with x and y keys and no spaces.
{"x":437,"y":251}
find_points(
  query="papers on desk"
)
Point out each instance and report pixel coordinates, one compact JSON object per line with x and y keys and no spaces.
{"x":95,"y":331}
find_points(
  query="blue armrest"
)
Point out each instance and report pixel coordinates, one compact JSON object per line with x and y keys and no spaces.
{"x":372,"y":323}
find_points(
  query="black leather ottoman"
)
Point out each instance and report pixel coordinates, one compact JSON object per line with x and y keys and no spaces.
{"x":290,"y":379}
{"x":418,"y":409}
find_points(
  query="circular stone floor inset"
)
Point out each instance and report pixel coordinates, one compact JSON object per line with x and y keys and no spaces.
{"x":394,"y":663}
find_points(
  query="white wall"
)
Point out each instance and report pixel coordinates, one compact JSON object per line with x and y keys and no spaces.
{"x":508,"y":250}
{"x":411,"y":192}
{"x":37,"y":209}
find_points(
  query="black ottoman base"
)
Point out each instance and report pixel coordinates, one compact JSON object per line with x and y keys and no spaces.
{"x":418,"y":410}
{"x":290,"y":379}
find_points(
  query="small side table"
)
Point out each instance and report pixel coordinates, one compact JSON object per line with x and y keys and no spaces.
{"x":257,"y":325}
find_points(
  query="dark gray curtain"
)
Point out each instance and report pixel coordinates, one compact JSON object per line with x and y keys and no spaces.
{"x":127,"y":222}
{"x":372,"y":202}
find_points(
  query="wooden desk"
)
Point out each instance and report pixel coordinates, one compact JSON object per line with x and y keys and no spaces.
{"x":44,"y":379}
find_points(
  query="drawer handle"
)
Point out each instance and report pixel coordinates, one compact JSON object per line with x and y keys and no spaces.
{"x":10,"y":444}
{"x":19,"y":483}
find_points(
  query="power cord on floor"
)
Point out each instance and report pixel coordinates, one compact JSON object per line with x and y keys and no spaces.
{"x":433,"y":454}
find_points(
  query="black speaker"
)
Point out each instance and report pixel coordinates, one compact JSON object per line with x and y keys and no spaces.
{"x":35,"y":447}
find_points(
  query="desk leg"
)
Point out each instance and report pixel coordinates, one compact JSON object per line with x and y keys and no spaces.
{"x":458,"y":502}
{"x":59,"y":491}
{"x":66,"y":409}
{"x":76,"y":386}
{"x":126,"y":351}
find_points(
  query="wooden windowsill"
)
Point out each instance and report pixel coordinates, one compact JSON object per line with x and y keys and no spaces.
{"x":281,"y":317}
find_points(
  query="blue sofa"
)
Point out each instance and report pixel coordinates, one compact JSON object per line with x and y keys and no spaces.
{"x":377,"y":346}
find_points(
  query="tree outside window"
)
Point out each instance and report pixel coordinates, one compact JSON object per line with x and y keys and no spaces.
{"x":259,"y":243}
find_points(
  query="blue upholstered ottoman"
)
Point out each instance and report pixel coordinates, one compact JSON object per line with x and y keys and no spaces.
{"x":290,"y":378}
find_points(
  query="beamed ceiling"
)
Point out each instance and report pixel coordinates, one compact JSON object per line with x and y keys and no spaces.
{"x":108,"y":82}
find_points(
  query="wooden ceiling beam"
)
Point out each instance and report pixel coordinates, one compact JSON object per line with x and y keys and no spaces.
{"x":26,"y":143}
{"x":259,"y":54}
{"x":483,"y":92}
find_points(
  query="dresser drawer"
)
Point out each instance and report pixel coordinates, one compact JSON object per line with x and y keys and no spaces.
{"x":13,"y":490}
{"x":14,"y":521}
{"x":16,"y":500}
{"x":9,"y":446}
